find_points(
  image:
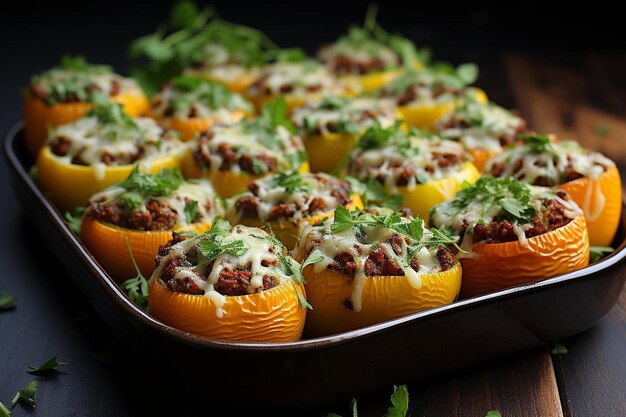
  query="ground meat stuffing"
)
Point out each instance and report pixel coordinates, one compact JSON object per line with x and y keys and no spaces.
{"x":230,"y":157}
{"x":378,"y":263}
{"x":344,"y":64}
{"x":237,"y":281}
{"x":501,"y":230}
{"x":157,"y":217}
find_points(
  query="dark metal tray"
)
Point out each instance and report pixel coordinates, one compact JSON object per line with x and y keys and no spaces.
{"x":315,"y":372}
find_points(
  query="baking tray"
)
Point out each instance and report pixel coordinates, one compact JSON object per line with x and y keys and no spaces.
{"x":316,"y":372}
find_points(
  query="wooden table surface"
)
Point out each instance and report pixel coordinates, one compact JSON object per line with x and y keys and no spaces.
{"x":580,"y":96}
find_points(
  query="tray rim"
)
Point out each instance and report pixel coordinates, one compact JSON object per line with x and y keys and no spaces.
{"x":131,"y":311}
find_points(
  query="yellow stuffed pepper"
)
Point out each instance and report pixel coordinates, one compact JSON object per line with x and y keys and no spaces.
{"x":232,"y":156}
{"x":591,"y":179}
{"x":422,"y":168}
{"x":288,"y":201}
{"x":191,"y":105}
{"x":300,"y":83}
{"x":424,"y":97}
{"x":330,"y":128}
{"x":65,"y":93}
{"x":513,"y":233}
{"x":484,"y":129}
{"x":231,"y":283}
{"x":144,"y":210}
{"x":366,"y":267}
{"x":99,"y":150}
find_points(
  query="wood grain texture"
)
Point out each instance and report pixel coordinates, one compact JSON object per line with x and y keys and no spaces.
{"x":585,"y":102}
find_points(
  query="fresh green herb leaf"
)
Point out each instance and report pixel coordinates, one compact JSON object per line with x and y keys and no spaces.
{"x":598,"y":252}
{"x":601,"y":129}
{"x":467,"y":72}
{"x":291,"y":181}
{"x":353,"y":408}
{"x":291,"y":55}
{"x":558,"y":349}
{"x":6,"y":301}
{"x":399,"y":402}
{"x":184,"y":14}
{"x":493,"y":414}
{"x":140,"y":186}
{"x":374,"y":193}
{"x":27,"y":395}
{"x":377,"y":136}
{"x":51,"y":365}
{"x":4,"y":412}
{"x":213,"y":243}
{"x":333,"y":103}
{"x":342,"y":220}
{"x":314,"y":257}
{"x":74,"y":218}
{"x":113,"y":113}
{"x":191,"y":208}
{"x":137,"y":288}
{"x":301,"y":298}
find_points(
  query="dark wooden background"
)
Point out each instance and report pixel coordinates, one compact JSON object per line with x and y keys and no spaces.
{"x":564,"y":73}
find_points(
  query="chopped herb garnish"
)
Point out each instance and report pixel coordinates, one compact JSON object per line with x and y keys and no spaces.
{"x":74,"y":218}
{"x":191,"y":209}
{"x":4,"y":412}
{"x":51,"y":365}
{"x":601,"y":129}
{"x":558,"y":349}
{"x":113,"y":114}
{"x":493,"y":414}
{"x":291,"y":181}
{"x":292,"y":268}
{"x":214,"y":243}
{"x":27,"y":395}
{"x":598,"y":252}
{"x":6,"y":301}
{"x":538,"y":143}
{"x":140,"y":186}
{"x":373,"y":193}
{"x":399,"y":402}
{"x":137,"y":288}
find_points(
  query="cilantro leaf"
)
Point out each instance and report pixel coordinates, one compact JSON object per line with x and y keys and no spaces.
{"x":558,"y":349}
{"x":213,"y":243}
{"x":342,"y":220}
{"x":493,"y":414}
{"x":27,"y":395}
{"x":6,"y":301}
{"x":113,"y":113}
{"x":184,"y":14}
{"x":140,"y":186}
{"x":191,"y":208}
{"x":137,"y":288}
{"x":598,"y":252}
{"x":399,"y":401}
{"x":74,"y":218}
{"x":314,"y":257}
{"x":50,"y":365}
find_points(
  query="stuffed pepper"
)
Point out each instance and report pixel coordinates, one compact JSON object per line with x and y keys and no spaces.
{"x":100,"y":149}
{"x":590,"y":178}
{"x":423,"y":168}
{"x":331,"y":127}
{"x":370,"y":55}
{"x":424,"y":97}
{"x":67,"y":92}
{"x":230,"y":283}
{"x":144,"y":210}
{"x":365,"y":267}
{"x":513,"y":233}
{"x":287,"y":201}
{"x":232,"y":156}
{"x":484,"y":129}
{"x":300,"y":83}
{"x":191,"y":105}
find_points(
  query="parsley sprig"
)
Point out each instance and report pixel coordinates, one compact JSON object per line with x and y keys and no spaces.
{"x":538,"y":143}
{"x":137,"y":288}
{"x":214,"y":242}
{"x":191,"y":89}
{"x":140,"y":186}
{"x":291,"y":181}
{"x":113,"y":114}
{"x":373,"y":193}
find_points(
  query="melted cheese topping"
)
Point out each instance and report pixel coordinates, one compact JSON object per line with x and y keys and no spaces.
{"x":360,"y":113}
{"x":90,"y":139}
{"x":259,"y":248}
{"x":427,"y":87}
{"x":480,"y":126}
{"x":417,"y":155}
{"x":244,"y":142}
{"x":311,"y":186}
{"x":102,"y":81}
{"x":202,"y":101}
{"x":299,"y":78}
{"x":200,"y":191}
{"x":465,"y":217}
{"x":360,"y":245}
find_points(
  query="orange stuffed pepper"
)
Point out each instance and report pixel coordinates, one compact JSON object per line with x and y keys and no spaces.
{"x":330,"y":128}
{"x":287,"y":201}
{"x":591,"y":179}
{"x":513,"y":233}
{"x":232,"y":156}
{"x":191,"y":105}
{"x":232,"y":283}
{"x":65,"y":93}
{"x":144,"y":210}
{"x":484,"y":129}
{"x":366,"y":267}
{"x":422,"y":168}
{"x":99,"y":150}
